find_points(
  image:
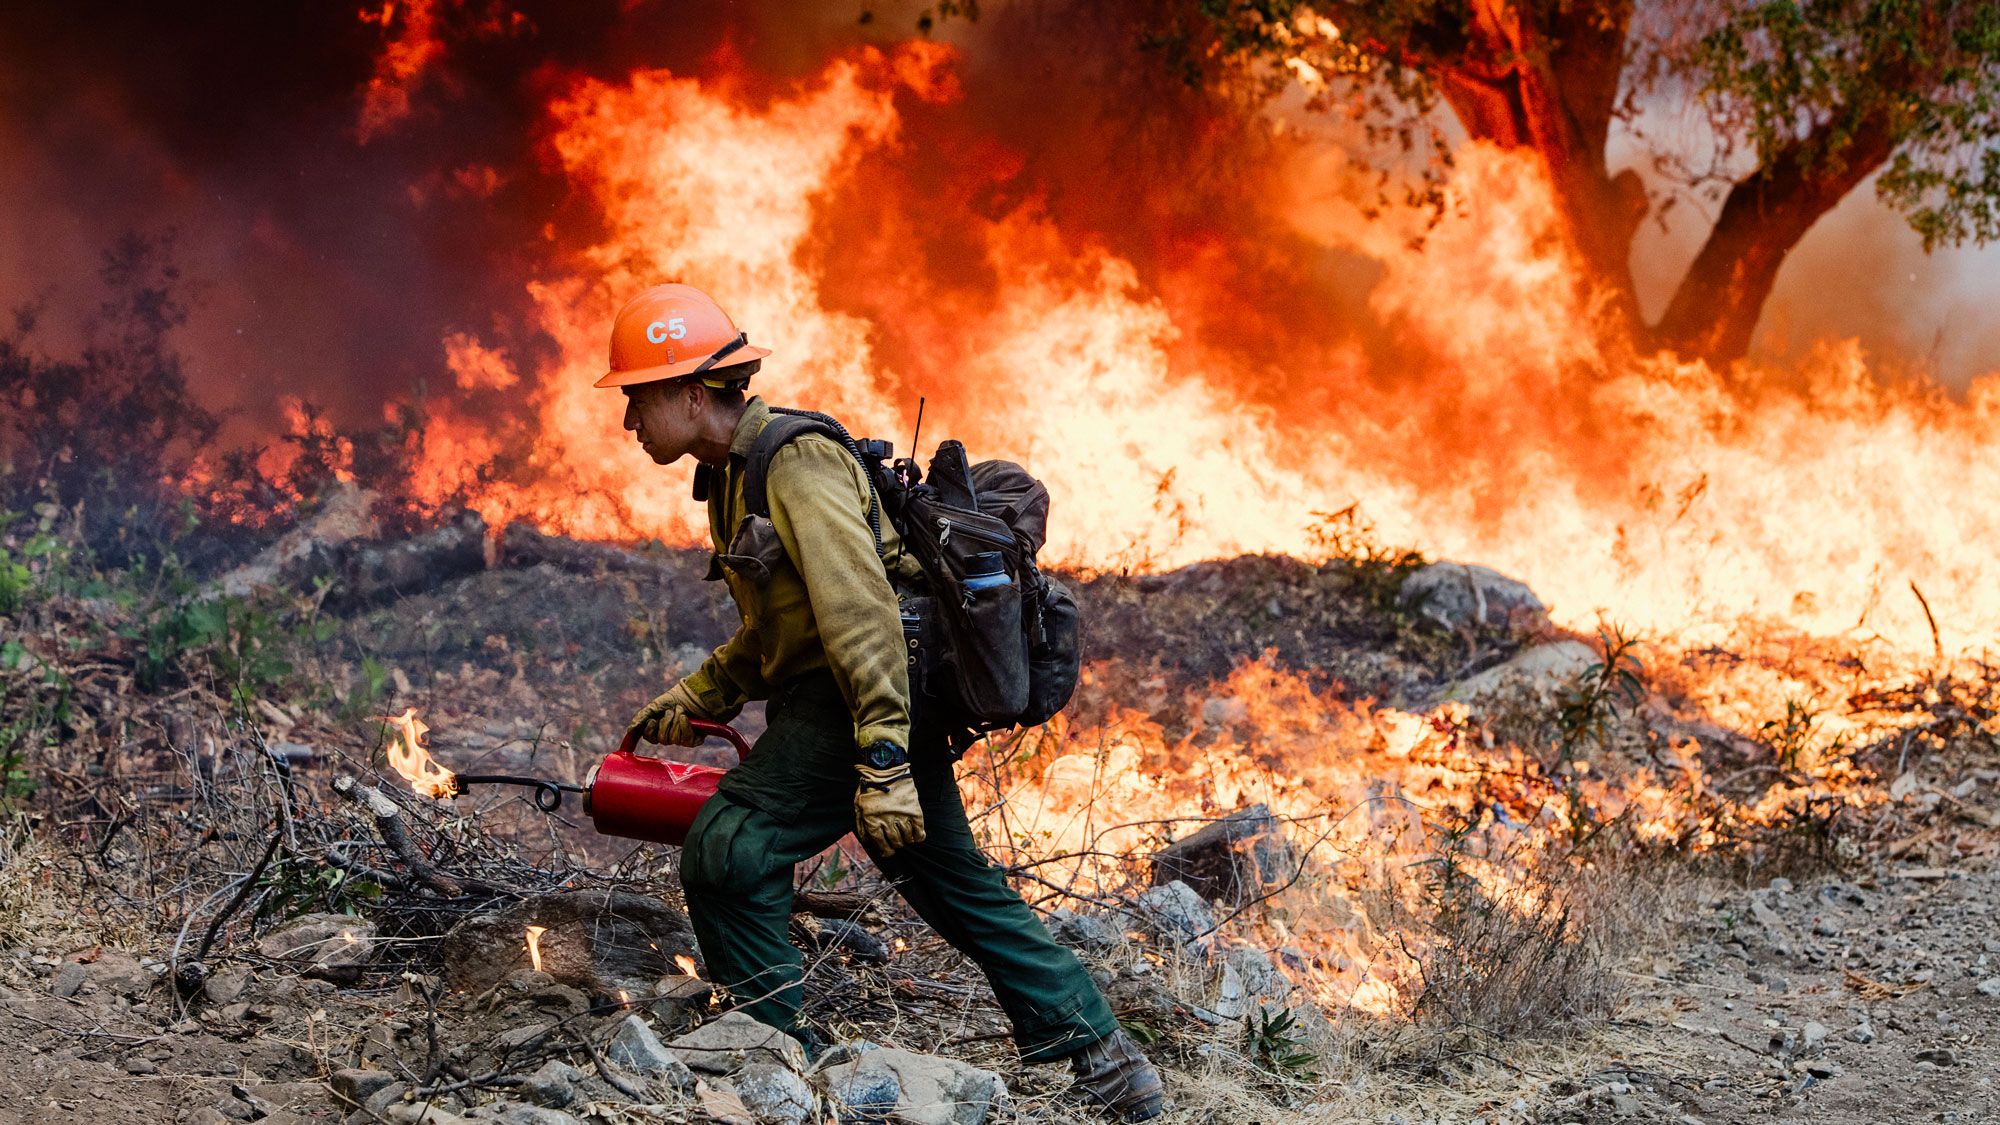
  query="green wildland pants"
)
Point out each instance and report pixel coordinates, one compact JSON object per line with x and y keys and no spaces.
{"x":791,"y":798}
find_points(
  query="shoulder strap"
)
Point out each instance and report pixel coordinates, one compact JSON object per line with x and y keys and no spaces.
{"x":785,"y":427}
{"x":778,"y":433}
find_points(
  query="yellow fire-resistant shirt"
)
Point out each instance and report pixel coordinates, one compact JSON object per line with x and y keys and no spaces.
{"x":811,"y":589}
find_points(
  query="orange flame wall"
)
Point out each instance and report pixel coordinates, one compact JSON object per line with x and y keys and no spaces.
{"x":1502,"y":426}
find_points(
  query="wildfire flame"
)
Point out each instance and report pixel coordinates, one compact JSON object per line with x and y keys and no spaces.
{"x":535,"y":946}
{"x":685,"y":964}
{"x":408,"y":757}
{"x":1664,"y":495}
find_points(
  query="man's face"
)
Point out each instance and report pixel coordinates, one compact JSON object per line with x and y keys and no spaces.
{"x":665,"y":417}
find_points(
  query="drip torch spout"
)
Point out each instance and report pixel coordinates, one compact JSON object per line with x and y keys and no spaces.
{"x":548,"y":795}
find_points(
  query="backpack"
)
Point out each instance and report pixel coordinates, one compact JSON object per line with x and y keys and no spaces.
{"x":992,"y":642}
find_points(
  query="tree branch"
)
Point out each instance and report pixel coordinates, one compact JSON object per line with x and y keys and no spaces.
{"x":1716,"y":307}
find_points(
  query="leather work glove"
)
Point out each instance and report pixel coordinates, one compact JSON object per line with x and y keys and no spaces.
{"x":665,"y":719}
{"x":887,"y":815}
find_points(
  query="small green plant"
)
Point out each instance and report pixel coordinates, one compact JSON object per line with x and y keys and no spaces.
{"x":16,"y":581}
{"x":832,"y":872}
{"x":1447,"y":885}
{"x":367,"y":696}
{"x":1276,"y":1044}
{"x":1585,"y":711}
{"x":1792,"y":737}
{"x":295,"y":885}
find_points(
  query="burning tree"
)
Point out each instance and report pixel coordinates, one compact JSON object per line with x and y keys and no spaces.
{"x":1797,"y":104}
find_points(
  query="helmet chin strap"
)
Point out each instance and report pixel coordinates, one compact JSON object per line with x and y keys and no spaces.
{"x":741,"y":341}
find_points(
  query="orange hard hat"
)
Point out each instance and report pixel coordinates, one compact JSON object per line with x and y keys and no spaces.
{"x":670,"y":331}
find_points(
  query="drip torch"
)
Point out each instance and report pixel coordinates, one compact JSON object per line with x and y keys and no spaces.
{"x":629,"y":795}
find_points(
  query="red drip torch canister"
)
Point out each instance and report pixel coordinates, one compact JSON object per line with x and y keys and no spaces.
{"x":651,"y":798}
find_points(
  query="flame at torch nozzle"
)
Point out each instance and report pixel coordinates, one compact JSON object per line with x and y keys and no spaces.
{"x":408,"y":757}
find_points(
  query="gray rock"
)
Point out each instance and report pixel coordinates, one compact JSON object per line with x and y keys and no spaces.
{"x":1175,"y":913}
{"x":377,"y":1103}
{"x":1093,"y":933}
{"x":226,"y":988}
{"x":1260,"y":977}
{"x":1813,"y":1036}
{"x":521,"y":1038}
{"x":70,"y":980}
{"x":774,"y":1094}
{"x":637,"y":1049}
{"x":930,"y":1089}
{"x":1460,"y":596}
{"x":725,"y":1045}
{"x":1990,"y":986}
{"x":1231,"y":860}
{"x":1938,"y":1056}
{"x":864,"y":1092}
{"x":141,"y":1065}
{"x":1542,"y":669}
{"x":334,"y":947}
{"x":1232,"y":999}
{"x":599,"y":941}
{"x":1863,"y":1032}
{"x":554,"y":1085}
{"x":353,"y":1086}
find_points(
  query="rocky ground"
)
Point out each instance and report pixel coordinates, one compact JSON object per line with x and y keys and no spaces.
{"x":1869,"y":998}
{"x":1863,"y":984}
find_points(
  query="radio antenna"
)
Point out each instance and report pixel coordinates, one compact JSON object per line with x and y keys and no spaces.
{"x":915,"y":432}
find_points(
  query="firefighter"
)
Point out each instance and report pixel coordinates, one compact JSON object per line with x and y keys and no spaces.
{"x":821,"y":640}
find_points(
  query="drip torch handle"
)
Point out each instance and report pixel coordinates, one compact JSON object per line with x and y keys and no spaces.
{"x":723,"y":731}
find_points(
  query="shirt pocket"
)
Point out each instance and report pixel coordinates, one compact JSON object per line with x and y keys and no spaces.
{"x":754,"y":553}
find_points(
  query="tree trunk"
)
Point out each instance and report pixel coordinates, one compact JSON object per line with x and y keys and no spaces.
{"x":1717,"y":305}
{"x":1551,"y":89}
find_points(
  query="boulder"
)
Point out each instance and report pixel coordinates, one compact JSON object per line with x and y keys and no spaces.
{"x":600,"y":941}
{"x":774,"y":1095}
{"x":860,"y":1093}
{"x":1542,"y":669}
{"x":637,"y":1049}
{"x":726,"y":1044}
{"x":926,"y":1089}
{"x":554,"y":1085}
{"x":1247,"y":979}
{"x":353,"y":1087}
{"x":1462,"y":596}
{"x":334,"y":947}
{"x":1232,"y":860}
{"x":1175,"y":914}
{"x":1093,"y":933}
